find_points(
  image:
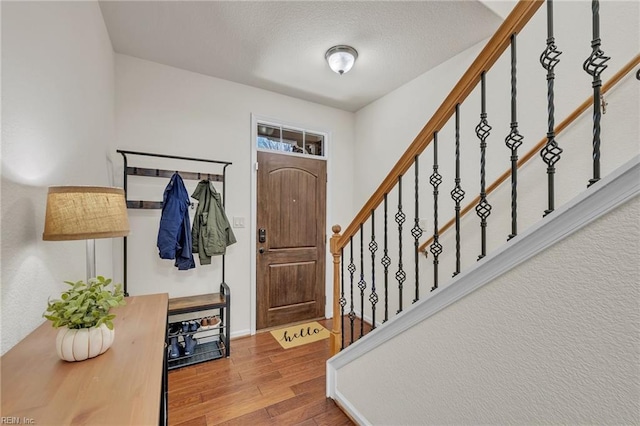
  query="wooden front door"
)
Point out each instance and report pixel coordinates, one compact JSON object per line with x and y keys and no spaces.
{"x":291,"y":239}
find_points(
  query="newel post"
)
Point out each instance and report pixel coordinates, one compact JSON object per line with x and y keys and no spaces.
{"x":337,"y":320}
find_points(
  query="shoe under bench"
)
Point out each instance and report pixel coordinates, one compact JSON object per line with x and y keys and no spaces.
{"x":213,"y":342}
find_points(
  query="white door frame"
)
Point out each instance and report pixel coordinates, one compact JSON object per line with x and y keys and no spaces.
{"x":254,"y":208}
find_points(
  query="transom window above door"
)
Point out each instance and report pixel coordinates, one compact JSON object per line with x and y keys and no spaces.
{"x":279,"y":138}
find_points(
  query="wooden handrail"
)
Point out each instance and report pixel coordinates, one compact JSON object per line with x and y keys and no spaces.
{"x":335,"y":341}
{"x":559,"y":128}
{"x":517,"y":19}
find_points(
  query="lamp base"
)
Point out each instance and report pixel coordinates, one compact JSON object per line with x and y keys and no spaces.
{"x":91,"y":259}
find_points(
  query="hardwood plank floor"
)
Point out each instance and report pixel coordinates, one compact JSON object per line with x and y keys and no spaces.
{"x":260,"y":384}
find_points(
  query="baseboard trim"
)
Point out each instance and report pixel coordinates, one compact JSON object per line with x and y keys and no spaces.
{"x":609,"y":193}
{"x":240,"y":333}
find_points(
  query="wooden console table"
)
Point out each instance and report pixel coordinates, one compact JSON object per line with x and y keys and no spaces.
{"x":124,"y":386}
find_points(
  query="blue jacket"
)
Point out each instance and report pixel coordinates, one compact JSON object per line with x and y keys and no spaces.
{"x":174,"y":235}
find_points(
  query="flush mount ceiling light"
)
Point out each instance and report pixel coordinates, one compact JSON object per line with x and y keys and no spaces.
{"x":341,"y":58}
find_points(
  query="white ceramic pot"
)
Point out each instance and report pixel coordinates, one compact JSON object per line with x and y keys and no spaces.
{"x":83,"y":343}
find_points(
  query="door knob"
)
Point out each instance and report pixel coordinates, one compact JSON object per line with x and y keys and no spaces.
{"x":261,"y":250}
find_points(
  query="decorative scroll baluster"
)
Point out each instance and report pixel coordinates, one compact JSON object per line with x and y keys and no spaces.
{"x":352,"y":269}
{"x":483,"y":129}
{"x":416,"y":231}
{"x":343,"y":301}
{"x":513,"y":142}
{"x":401,"y":276}
{"x":436,"y":180}
{"x":362,"y":285}
{"x":373,"y":247}
{"x":457,"y":194}
{"x":386,"y":262}
{"x":551,"y":152}
{"x":594,"y":66}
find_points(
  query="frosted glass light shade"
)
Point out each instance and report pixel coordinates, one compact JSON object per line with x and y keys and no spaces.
{"x":85,"y":212}
{"x":341,"y":58}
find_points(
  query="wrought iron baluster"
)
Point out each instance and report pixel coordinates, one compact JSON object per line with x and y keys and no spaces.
{"x":416,"y":231}
{"x":551,"y":152}
{"x":513,"y":142}
{"x":401,"y":276}
{"x":343,"y":301}
{"x":436,"y":180}
{"x":352,"y":269}
{"x":457,"y":194}
{"x":483,"y":129}
{"x":386,"y":262}
{"x":594,"y":65}
{"x":362,"y":285}
{"x":373,"y":247}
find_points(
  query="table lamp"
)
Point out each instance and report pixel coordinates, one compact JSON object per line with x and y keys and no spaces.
{"x":85,"y":213}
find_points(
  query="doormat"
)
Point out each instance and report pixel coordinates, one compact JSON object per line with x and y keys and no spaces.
{"x":301,"y":334}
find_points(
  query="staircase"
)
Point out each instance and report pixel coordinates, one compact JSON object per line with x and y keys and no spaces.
{"x":539,"y":322}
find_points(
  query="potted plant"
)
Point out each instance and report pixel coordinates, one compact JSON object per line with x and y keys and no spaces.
{"x":83,"y":317}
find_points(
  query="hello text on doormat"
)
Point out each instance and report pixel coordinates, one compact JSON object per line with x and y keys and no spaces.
{"x":300,"y":334}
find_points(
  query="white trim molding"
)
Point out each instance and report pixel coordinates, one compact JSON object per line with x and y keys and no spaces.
{"x":597,"y":200}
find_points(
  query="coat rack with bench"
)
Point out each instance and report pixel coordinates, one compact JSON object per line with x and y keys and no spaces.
{"x":218,"y":341}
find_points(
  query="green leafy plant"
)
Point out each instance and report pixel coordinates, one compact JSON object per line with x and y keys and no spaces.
{"x":85,"y":305}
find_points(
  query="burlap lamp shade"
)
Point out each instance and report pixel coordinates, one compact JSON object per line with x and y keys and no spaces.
{"x":85,"y":213}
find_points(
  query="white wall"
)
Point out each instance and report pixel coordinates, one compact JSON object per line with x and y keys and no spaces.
{"x":57,"y":128}
{"x":553,"y":341}
{"x":501,"y":8}
{"x":166,"y":110}
{"x":385,"y":128}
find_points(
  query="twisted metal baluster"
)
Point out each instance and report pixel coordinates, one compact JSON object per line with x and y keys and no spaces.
{"x":457,"y":194}
{"x":483,"y":129}
{"x":343,"y":301}
{"x":401,"y":276}
{"x":373,"y":247}
{"x":594,"y":65}
{"x":386,"y":262}
{"x":551,"y":152}
{"x":416,"y":231}
{"x":513,"y":142}
{"x":436,"y":180}
{"x":352,"y":269}
{"x":362,"y":285}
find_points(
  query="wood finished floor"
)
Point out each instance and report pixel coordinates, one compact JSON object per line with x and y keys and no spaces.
{"x":260,"y":384}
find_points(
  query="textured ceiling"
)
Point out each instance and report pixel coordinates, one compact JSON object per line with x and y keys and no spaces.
{"x":280,"y":46}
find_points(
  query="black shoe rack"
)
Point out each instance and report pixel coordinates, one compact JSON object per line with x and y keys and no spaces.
{"x":213,"y":341}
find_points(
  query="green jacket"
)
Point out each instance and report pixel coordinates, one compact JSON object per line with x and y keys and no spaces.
{"x":211,"y":232}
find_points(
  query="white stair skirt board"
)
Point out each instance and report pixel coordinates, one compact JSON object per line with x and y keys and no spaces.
{"x":602,"y":197}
